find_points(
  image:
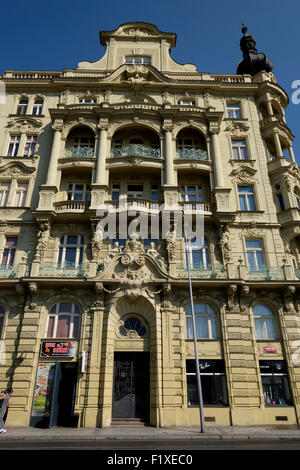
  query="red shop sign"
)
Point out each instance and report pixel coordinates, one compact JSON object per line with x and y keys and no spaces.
{"x":270,"y":349}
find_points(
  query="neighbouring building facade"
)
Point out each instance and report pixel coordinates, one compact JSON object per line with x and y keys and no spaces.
{"x":97,"y":330}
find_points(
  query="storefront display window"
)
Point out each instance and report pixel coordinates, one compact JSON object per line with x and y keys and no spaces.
{"x":275,"y":383}
{"x":213,"y":382}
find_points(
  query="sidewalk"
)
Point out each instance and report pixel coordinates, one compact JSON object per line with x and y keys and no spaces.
{"x":147,"y":432}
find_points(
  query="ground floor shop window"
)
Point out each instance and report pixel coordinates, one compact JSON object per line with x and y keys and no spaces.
{"x":275,"y":383}
{"x":213,"y":382}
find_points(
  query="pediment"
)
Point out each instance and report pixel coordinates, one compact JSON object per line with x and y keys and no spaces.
{"x":136,"y":75}
{"x":244,"y":173}
{"x":24,"y":124}
{"x":16,"y":169}
{"x":137,"y":31}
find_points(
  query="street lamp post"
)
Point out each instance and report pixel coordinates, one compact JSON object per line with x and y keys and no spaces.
{"x":199,"y":388}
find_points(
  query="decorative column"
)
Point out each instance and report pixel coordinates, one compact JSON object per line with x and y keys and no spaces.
{"x":216,"y":156}
{"x":291,"y":154}
{"x":52,"y":168}
{"x":221,"y":193}
{"x":277,"y":144}
{"x":99,"y":187}
{"x":168,"y":153}
{"x":101,"y":176}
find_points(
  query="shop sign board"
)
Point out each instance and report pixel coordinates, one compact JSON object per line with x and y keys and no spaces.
{"x":58,"y":348}
{"x":270,"y":349}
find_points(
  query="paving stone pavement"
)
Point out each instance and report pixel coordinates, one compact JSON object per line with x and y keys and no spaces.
{"x":148,"y":432}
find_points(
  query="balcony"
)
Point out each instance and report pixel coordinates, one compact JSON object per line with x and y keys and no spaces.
{"x":54,"y":270}
{"x":8,"y":272}
{"x":133,"y":204}
{"x":80,"y":152}
{"x":192,"y":154}
{"x":203,"y":272}
{"x":71,"y":206}
{"x":136,"y":150}
{"x":199,"y":207}
{"x":266,"y":273}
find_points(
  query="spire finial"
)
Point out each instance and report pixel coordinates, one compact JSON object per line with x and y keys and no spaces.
{"x":244,"y":28}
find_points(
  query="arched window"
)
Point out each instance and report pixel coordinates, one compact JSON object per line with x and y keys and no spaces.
{"x":132,"y":326}
{"x":37,"y":106}
{"x":2,"y":313}
{"x":264,"y":322}
{"x":205,"y":319}
{"x":63,"y":321}
{"x":22,"y":106}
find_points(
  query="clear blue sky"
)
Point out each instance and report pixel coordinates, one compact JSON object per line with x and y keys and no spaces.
{"x":55,"y":35}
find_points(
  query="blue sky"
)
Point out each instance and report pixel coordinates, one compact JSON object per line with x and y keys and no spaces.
{"x":56,"y":35}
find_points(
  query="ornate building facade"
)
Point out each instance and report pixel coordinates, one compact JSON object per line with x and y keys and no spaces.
{"x":95,"y":330}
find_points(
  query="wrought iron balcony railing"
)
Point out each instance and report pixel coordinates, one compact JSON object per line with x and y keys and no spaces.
{"x":63,"y":270}
{"x":266,"y":273}
{"x":7,"y":272}
{"x":203,"y":271}
{"x":136,"y":150}
{"x":195,"y":154}
{"x":80,"y":152}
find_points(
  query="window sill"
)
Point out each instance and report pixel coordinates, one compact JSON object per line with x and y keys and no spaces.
{"x":209,"y":406}
{"x":250,"y":212}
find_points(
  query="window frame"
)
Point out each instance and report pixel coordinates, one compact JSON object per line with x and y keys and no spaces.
{"x":11,"y":252}
{"x":37,"y":107}
{"x":22,"y":108}
{"x":273,"y":385}
{"x":212,"y":371}
{"x":4,"y":194}
{"x":86,"y":192}
{"x":232,"y":106}
{"x":74,"y":315}
{"x":30,"y":145}
{"x":137,"y":60}
{"x":22,"y":194}
{"x":239,"y":147}
{"x":64,"y":246}
{"x":258,"y":266}
{"x":247,"y":197}
{"x":209,"y":315}
{"x":2,"y":321}
{"x":263,"y":326}
{"x":13,"y":145}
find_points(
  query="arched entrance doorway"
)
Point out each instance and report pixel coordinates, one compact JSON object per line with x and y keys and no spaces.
{"x":131,"y":383}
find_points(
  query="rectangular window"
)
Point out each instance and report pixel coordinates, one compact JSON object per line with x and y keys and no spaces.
{"x":186,"y":103}
{"x":9,"y":251}
{"x":213,"y":382}
{"x":275,"y":383}
{"x":21,"y":193}
{"x":191,"y":193}
{"x":79,"y":192}
{"x":239,"y":149}
{"x":22,"y":106}
{"x":4,"y":191}
{"x":138,"y":60}
{"x":255,"y":255}
{"x":37,"y":107}
{"x":30,"y":145}
{"x":70,"y":251}
{"x":246,"y":198}
{"x":115,"y":193}
{"x":13,"y":146}
{"x":198,"y":254}
{"x":234,"y":111}
{"x":154,"y":195}
{"x":281,"y":202}
{"x":135,"y":191}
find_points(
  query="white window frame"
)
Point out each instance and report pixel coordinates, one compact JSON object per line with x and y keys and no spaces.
{"x":30,"y":145}
{"x":85,"y":192}
{"x":21,"y":193}
{"x":63,"y":247}
{"x":234,"y":108}
{"x":208,"y":315}
{"x":185,"y":194}
{"x":56,"y":315}
{"x":136,"y":194}
{"x":11,"y":251}
{"x":247,"y":196}
{"x":37,"y":108}
{"x":255,"y":251}
{"x":86,"y":100}
{"x":262,"y":318}
{"x":187,"y":103}
{"x":4,"y":192}
{"x":239,"y":147}
{"x":198,"y":247}
{"x":13,"y":145}
{"x":22,"y":108}
{"x":140,"y":60}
